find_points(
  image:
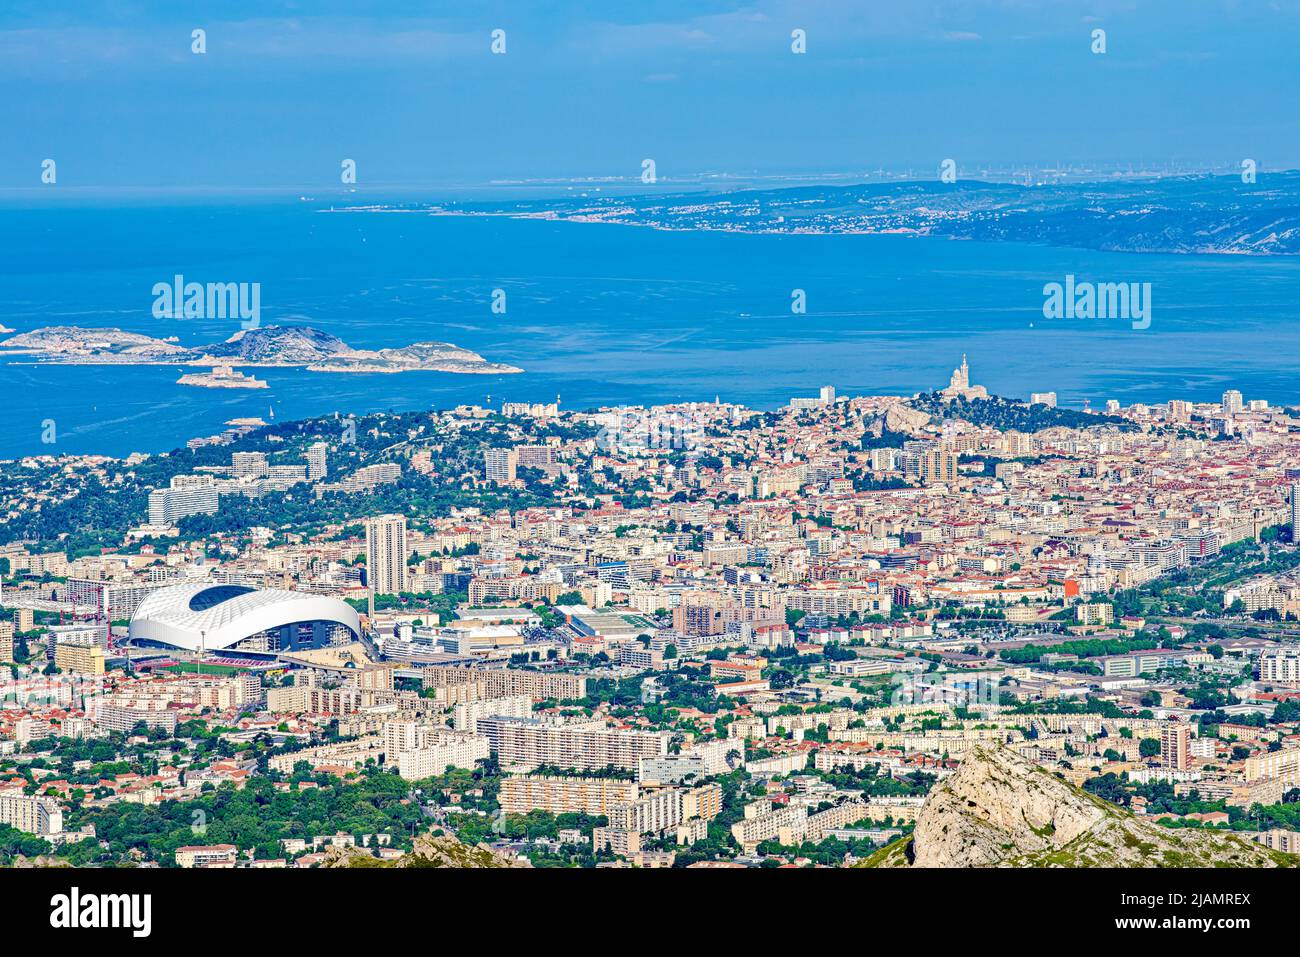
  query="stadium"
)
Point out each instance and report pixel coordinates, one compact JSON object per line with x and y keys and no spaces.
{"x":239,"y":618}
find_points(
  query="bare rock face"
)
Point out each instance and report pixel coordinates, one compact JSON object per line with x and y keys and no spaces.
{"x":298,"y":345}
{"x":903,"y":418}
{"x":1001,"y":810}
{"x":41,"y":860}
{"x":430,"y":850}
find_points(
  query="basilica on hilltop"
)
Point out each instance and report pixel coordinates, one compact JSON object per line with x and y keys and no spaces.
{"x":959,"y":386}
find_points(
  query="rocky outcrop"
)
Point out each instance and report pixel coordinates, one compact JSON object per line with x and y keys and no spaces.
{"x":430,"y":850}
{"x":899,"y":417}
{"x":1001,"y":810}
{"x":264,"y":346}
{"x":41,"y":860}
{"x":294,"y":345}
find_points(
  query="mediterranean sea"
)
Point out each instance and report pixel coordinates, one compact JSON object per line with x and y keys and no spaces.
{"x":602,"y":315}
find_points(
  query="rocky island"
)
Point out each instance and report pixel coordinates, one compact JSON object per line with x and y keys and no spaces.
{"x":266,"y":346}
{"x":222,"y":377}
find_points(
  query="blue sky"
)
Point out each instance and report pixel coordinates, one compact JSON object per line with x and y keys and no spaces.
{"x":412,"y":92}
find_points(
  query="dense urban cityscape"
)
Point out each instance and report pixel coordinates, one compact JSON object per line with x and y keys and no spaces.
{"x":842,"y":452}
{"x":697,"y":635}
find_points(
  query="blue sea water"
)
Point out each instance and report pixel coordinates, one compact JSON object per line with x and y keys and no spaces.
{"x":604,"y":314}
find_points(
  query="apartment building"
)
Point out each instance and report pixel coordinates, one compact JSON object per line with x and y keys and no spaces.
{"x":345,"y":754}
{"x":207,"y":856}
{"x":525,"y":742}
{"x":182,"y":499}
{"x":6,"y":641}
{"x":503,"y":682}
{"x":1288,"y":842}
{"x":564,"y":795}
{"x":500,"y":465}
{"x":113,"y":600}
{"x":305,"y":699}
{"x":821,"y":823}
{"x":32,"y":815}
{"x":1284,"y":765}
{"x":80,"y":659}
{"x":1280,"y":666}
{"x":1097,"y":615}
{"x":762,"y":822}
{"x":123,"y":717}
{"x":659,"y":811}
{"x":1176,"y":746}
{"x":652,"y":813}
{"x":386,"y":554}
{"x":465,"y":715}
{"x":437,"y":754}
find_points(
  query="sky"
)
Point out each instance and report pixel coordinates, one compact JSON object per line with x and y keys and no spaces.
{"x":412,"y":92}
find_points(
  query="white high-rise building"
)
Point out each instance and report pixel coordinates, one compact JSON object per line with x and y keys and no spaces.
{"x":500,"y":465}
{"x":1176,"y":746}
{"x":466,"y":714}
{"x":386,"y":554}
{"x":530,"y":742}
{"x":1295,"y":510}
{"x":1280,"y":666}
{"x":248,"y":464}
{"x":1232,"y":402}
{"x":31,"y":815}
{"x":317,"y":466}
{"x":188,"y":495}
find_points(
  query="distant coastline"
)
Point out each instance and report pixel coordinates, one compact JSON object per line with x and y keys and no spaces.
{"x":1199,"y":214}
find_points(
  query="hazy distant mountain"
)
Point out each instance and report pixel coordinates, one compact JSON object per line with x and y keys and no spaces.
{"x":1196,"y":214}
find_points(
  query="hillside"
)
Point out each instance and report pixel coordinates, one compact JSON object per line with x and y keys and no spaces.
{"x":1001,"y":810}
{"x":1012,"y":415}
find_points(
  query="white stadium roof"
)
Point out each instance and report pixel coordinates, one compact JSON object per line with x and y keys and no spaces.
{"x":219,"y":616}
